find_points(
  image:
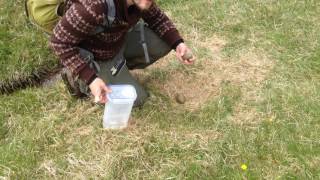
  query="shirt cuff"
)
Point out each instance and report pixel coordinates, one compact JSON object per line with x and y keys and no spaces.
{"x":176,"y":44}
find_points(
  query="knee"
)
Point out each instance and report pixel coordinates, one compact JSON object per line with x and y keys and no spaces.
{"x":157,"y":47}
{"x":161,"y":51}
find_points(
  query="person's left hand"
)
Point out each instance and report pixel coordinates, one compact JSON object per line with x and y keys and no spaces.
{"x":181,"y":51}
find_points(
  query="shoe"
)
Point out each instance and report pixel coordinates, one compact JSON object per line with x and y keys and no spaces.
{"x":143,"y":95}
{"x":72,"y":85}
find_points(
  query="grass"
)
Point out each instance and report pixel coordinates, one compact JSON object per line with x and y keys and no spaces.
{"x":20,"y":44}
{"x":258,"y":62}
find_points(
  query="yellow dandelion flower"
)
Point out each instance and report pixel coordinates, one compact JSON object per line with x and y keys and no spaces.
{"x":244,"y":167}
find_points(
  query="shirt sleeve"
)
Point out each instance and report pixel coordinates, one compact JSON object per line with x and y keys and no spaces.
{"x":76,"y":25}
{"x":160,"y":23}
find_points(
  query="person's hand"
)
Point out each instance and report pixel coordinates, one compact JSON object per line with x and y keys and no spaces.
{"x":99,"y":90}
{"x":184,"y":54}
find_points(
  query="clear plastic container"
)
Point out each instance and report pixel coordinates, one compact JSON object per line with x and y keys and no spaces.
{"x":118,"y":108}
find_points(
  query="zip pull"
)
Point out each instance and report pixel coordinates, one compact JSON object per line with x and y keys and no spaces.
{"x":117,"y":67}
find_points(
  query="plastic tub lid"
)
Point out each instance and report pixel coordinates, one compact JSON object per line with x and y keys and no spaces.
{"x":122,"y":93}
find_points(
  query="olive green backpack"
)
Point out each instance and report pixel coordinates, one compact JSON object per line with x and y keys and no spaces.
{"x":45,"y":14}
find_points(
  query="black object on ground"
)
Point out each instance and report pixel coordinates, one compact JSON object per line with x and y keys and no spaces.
{"x":22,"y":81}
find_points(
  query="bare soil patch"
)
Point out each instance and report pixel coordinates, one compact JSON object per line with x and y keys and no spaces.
{"x":247,"y":71}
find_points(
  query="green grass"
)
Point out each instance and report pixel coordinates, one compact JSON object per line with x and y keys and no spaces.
{"x":23,"y":49}
{"x":44,"y":133}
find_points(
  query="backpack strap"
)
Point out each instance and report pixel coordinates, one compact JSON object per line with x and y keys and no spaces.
{"x":111,"y":12}
{"x":107,"y":23}
{"x":143,"y":42}
{"x":26,"y":8}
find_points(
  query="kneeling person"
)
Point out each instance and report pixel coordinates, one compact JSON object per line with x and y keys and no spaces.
{"x":93,"y":60}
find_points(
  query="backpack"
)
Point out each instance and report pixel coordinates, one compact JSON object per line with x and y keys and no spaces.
{"x":45,"y":14}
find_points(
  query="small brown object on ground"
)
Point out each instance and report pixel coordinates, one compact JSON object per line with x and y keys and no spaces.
{"x":180,"y":98}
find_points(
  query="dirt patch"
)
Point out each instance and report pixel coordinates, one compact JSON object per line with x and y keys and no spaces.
{"x":197,"y":88}
{"x":196,"y":84}
{"x":215,"y":44}
{"x":203,"y":81}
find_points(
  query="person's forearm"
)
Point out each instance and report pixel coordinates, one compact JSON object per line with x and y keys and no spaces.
{"x":74,"y":27}
{"x":160,"y":23}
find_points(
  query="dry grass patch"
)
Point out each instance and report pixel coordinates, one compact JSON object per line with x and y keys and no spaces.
{"x":248,"y":70}
{"x":215,"y":44}
{"x":106,"y":153}
{"x":77,"y":167}
{"x":196,"y":84}
{"x":49,"y":168}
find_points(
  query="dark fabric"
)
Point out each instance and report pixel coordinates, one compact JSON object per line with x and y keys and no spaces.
{"x":75,"y":29}
{"x":175,"y":45}
{"x":92,"y":79}
{"x":87,"y":74}
{"x":134,"y":53}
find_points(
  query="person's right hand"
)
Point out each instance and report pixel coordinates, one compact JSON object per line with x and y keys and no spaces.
{"x":99,"y":90}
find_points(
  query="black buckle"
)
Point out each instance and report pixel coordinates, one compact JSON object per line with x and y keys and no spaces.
{"x":117,"y":67}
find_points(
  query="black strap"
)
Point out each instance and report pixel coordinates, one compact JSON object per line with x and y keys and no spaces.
{"x":143,"y":42}
{"x":111,"y":11}
{"x":26,"y":8}
{"x":111,"y":14}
